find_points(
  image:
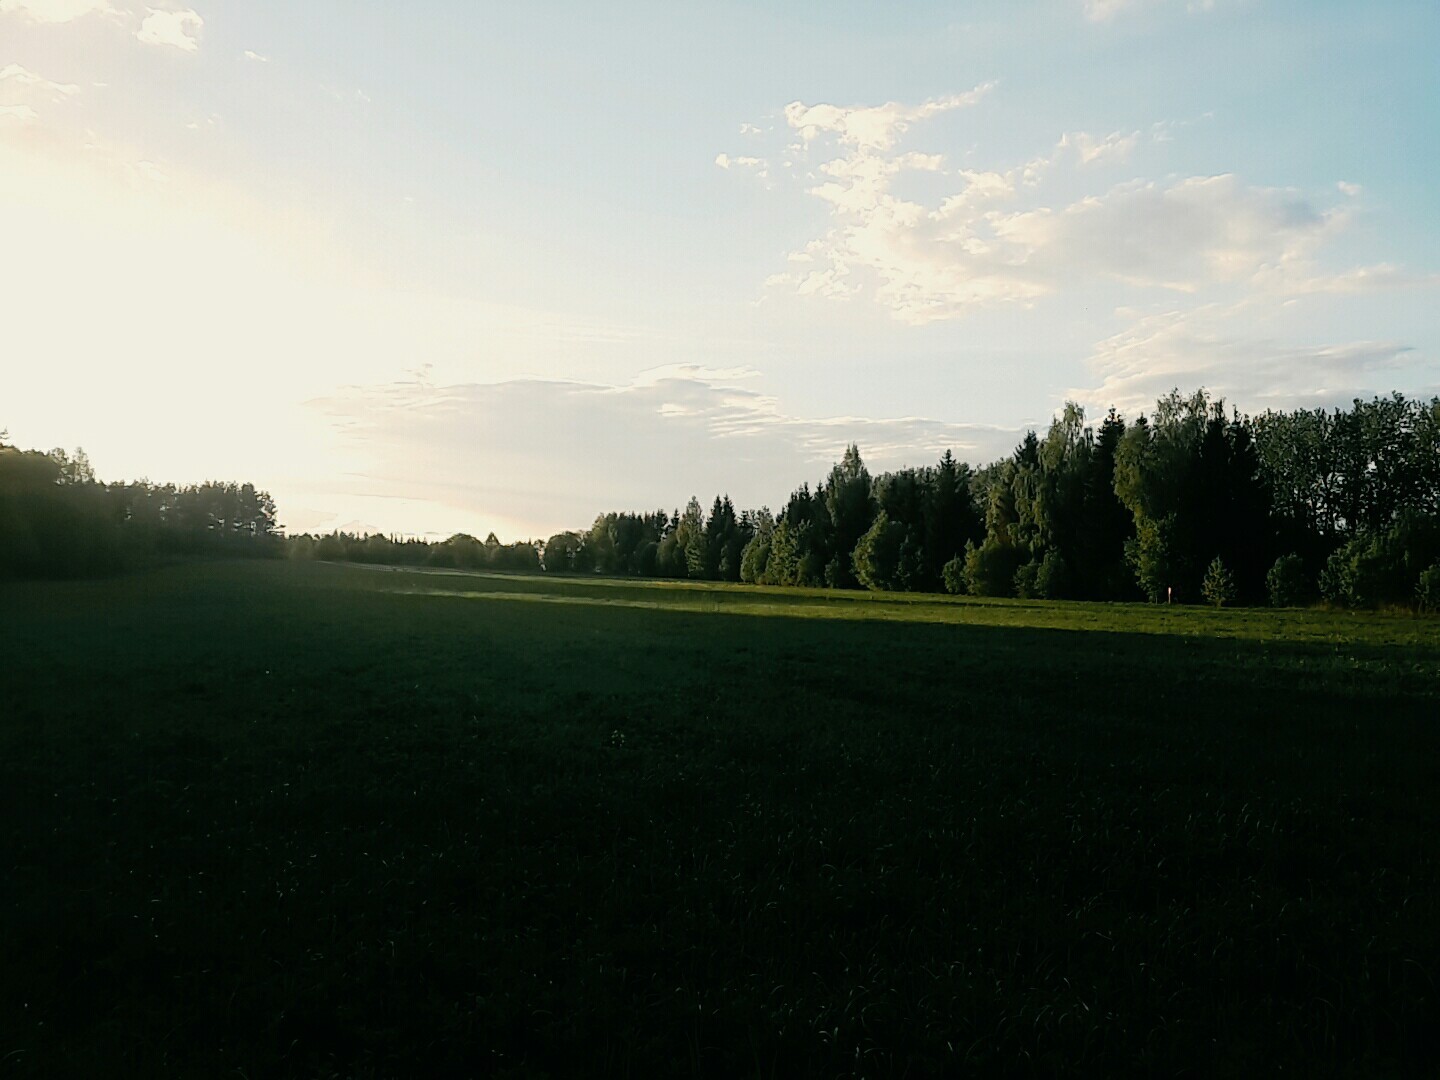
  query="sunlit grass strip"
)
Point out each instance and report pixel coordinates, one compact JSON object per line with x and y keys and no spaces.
{"x":1295,"y":625}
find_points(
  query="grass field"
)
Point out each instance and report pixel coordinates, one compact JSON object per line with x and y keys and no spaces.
{"x":278,"y":819}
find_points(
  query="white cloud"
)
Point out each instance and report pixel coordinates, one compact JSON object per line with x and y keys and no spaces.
{"x":21,"y":90}
{"x":1205,"y":346}
{"x":1090,"y":150}
{"x":1347,"y":188}
{"x":178,"y":29}
{"x":14,"y":78}
{"x":55,"y":11}
{"x":875,"y":127}
{"x":668,"y":434}
{"x":20,"y":114}
{"x":255,"y":56}
{"x":987,"y":241}
{"x":1182,"y":235}
{"x":744,"y":161}
{"x":1305,"y":280}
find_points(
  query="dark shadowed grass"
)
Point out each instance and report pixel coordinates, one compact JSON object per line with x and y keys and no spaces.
{"x":327,"y":821}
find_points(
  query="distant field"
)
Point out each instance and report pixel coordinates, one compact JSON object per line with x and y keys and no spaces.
{"x":282,"y":819}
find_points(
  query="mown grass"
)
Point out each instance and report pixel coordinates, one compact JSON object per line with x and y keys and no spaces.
{"x":308,"y":820}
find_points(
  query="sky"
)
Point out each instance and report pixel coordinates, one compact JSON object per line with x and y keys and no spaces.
{"x":465,"y":266}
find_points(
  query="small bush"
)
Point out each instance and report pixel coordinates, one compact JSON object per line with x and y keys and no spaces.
{"x":1287,"y":582}
{"x":1382,"y":567}
{"x":1366,"y":571}
{"x":1427,"y":590}
{"x":1025,"y":581}
{"x":953,"y":574}
{"x":990,"y":568}
{"x":1053,"y":579}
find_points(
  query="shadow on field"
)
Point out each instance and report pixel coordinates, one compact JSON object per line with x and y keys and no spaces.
{"x":272,"y":822}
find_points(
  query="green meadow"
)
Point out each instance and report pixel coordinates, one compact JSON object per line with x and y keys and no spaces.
{"x":298,"y":819}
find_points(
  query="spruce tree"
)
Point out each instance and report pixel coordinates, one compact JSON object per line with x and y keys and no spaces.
{"x":1218,"y":586}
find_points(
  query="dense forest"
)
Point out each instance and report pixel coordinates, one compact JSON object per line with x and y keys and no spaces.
{"x":58,"y":520}
{"x":1190,"y":503}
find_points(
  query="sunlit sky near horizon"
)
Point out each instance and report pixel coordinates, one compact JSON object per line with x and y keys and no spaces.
{"x":469,"y":267}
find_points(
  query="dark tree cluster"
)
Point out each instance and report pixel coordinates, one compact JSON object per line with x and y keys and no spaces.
{"x":1189,"y":503}
{"x":688,"y":544}
{"x":1356,"y":498}
{"x":58,"y":520}
{"x":460,"y":552}
{"x":893,"y":532}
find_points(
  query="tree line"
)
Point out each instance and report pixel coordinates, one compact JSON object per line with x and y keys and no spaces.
{"x":58,"y":520}
{"x":460,"y":552}
{"x":1188,"y":503}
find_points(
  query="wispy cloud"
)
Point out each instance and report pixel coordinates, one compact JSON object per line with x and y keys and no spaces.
{"x":176,"y":29}
{"x":1091,"y":150}
{"x":250,"y":54}
{"x":15,"y":77}
{"x":1178,"y":235}
{"x":990,"y":240}
{"x":55,"y":11}
{"x":669,"y":433}
{"x":21,"y":114}
{"x":346,"y":95}
{"x":743,"y":161}
{"x":876,"y":127}
{"x":21,"y":90}
{"x":1306,"y":280}
{"x":758,"y":166}
{"x":1214,"y":346}
{"x":1105,"y":10}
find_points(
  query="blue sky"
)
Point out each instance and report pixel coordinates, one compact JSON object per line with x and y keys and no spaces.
{"x":468,"y":266}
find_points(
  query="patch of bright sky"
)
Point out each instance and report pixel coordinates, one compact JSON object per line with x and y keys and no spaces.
{"x":480,"y":266}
